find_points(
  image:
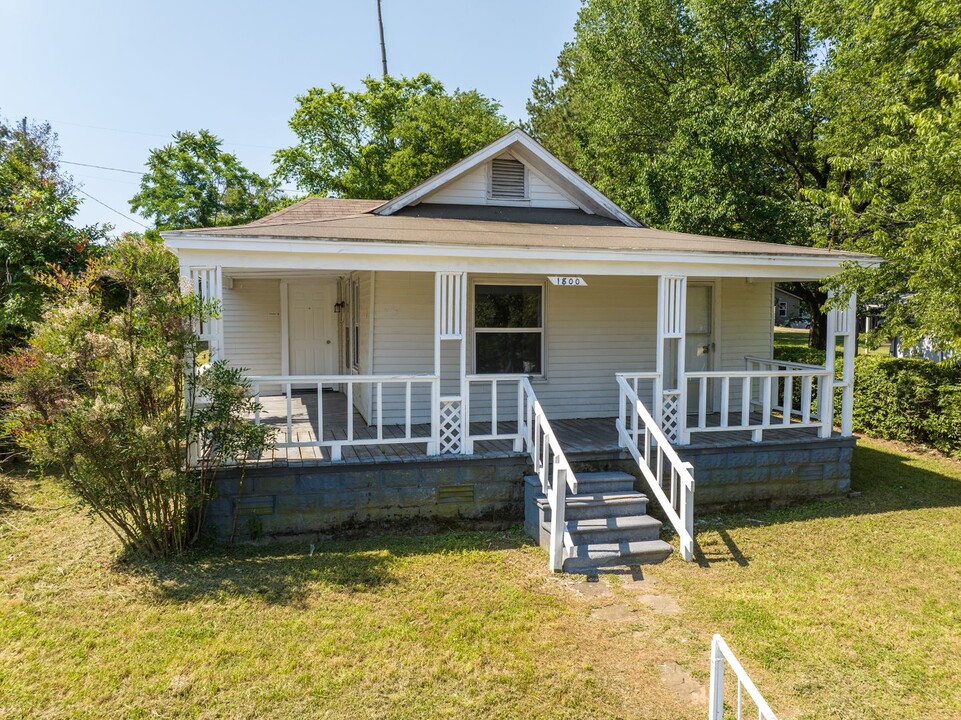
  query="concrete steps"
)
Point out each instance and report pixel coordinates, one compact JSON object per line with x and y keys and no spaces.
{"x":606,"y":523}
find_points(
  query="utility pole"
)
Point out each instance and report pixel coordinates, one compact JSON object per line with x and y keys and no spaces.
{"x":383,"y":47}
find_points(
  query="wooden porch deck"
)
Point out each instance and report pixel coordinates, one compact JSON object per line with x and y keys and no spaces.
{"x":582,"y":437}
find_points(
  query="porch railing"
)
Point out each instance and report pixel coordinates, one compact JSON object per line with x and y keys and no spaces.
{"x":551,"y":467}
{"x":659,"y":463}
{"x":766,"y":387}
{"x":721,"y":654}
{"x":498,"y":387}
{"x":349,"y":384}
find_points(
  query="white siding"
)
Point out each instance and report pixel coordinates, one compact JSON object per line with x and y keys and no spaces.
{"x":471,"y":189}
{"x":745,"y":327}
{"x":251,"y":314}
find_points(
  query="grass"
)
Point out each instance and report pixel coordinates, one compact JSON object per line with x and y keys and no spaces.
{"x":798,"y":337}
{"x":845,"y":608}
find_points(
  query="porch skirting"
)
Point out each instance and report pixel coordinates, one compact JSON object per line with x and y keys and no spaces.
{"x":278,"y":501}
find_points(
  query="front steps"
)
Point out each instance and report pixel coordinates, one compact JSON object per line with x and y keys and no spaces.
{"x":607,"y":524}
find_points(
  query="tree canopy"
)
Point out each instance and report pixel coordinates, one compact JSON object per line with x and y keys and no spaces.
{"x":382,"y":140}
{"x":191,"y":182}
{"x":832,"y":123}
{"x":37,"y":205}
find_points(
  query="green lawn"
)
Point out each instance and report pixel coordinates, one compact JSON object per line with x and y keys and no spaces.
{"x":797,"y":337}
{"x":843,"y":608}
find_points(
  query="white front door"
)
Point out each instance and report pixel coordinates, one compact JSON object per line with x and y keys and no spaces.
{"x":312,"y":327}
{"x":699,"y":340}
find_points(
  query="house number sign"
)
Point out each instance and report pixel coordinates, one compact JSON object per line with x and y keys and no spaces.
{"x":567,"y":280}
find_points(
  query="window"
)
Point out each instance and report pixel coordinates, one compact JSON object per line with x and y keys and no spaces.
{"x":508,"y":179}
{"x":782,"y":309}
{"x":509,"y":329}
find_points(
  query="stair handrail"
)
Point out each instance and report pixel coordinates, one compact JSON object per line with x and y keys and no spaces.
{"x":679,"y":506}
{"x":550,"y":465}
{"x":720,"y":653}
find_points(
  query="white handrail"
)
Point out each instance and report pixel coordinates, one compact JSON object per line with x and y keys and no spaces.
{"x":769,"y":389}
{"x":720,"y":653}
{"x":781,"y":363}
{"x":551,"y":467}
{"x":376,"y":383}
{"x":679,"y":505}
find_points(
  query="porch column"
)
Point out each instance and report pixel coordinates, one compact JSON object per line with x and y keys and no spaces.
{"x":449,"y":416}
{"x":207,"y":284}
{"x":841,"y":323}
{"x":670,"y":391}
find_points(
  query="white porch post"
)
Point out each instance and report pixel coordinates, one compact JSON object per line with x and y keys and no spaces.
{"x":207,"y":284}
{"x":449,"y":415}
{"x":671,"y":398}
{"x":840,"y":323}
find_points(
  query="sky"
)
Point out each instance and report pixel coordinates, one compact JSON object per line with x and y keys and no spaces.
{"x":117,"y":78}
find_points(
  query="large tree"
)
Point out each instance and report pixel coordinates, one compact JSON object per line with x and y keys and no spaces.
{"x":695,"y":115}
{"x":386,"y":138}
{"x":192,"y":182}
{"x":890,"y":91}
{"x":38,"y":203}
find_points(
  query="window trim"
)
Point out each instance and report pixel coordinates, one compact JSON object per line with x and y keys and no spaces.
{"x":474,"y":330}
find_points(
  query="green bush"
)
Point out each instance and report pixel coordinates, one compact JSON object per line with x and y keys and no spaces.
{"x":908,"y":399}
{"x":798,"y":354}
{"x":110,"y":395}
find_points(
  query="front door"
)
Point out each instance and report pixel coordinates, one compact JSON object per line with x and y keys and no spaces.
{"x":312,"y":328}
{"x":699,"y":340}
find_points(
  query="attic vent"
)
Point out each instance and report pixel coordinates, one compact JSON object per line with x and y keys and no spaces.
{"x":508,"y":180}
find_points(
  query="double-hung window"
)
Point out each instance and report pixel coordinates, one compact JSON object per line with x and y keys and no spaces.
{"x":509,"y":329}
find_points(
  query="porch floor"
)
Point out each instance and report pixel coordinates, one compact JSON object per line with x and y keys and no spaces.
{"x":585,"y":437}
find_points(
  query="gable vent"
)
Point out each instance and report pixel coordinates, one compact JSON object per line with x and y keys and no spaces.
{"x":507,"y":179}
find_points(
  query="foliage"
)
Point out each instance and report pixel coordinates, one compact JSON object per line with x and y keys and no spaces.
{"x":384,"y":139}
{"x":192,"y":182}
{"x":108,"y":394}
{"x":891,"y":95}
{"x":37,"y":205}
{"x":908,"y":399}
{"x":798,"y":354}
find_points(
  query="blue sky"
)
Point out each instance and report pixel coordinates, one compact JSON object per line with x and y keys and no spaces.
{"x":118,"y":78}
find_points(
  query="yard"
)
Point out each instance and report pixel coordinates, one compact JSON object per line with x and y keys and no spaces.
{"x":845,"y":608}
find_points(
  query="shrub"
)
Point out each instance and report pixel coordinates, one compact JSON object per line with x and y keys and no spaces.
{"x":109,"y":394}
{"x":908,"y":399}
{"x":799,"y":354}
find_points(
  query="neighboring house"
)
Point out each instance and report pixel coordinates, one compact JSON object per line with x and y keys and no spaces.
{"x":419,"y":356}
{"x":789,"y":309}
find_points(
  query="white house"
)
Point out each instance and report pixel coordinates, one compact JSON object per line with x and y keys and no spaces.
{"x":502,"y":317}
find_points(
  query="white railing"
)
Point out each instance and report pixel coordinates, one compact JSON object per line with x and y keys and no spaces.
{"x":720,"y":653}
{"x":499,"y":387}
{"x":551,"y":467}
{"x":374,"y":434}
{"x":767,"y":386}
{"x":677,"y":502}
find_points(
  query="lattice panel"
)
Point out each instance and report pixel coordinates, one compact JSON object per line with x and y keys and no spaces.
{"x":450,"y":426}
{"x":670,"y":416}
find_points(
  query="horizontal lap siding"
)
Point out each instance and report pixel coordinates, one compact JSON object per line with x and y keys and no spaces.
{"x":471,"y":189}
{"x":403,"y":312}
{"x":745,"y":325}
{"x":593,"y":333}
{"x":251,"y":320}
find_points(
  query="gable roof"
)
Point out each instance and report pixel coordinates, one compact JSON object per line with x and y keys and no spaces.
{"x":530,"y":152}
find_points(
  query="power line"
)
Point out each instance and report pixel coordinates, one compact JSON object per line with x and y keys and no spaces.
{"x":148,"y":134}
{"x":103,"y":167}
{"x":124,"y":215}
